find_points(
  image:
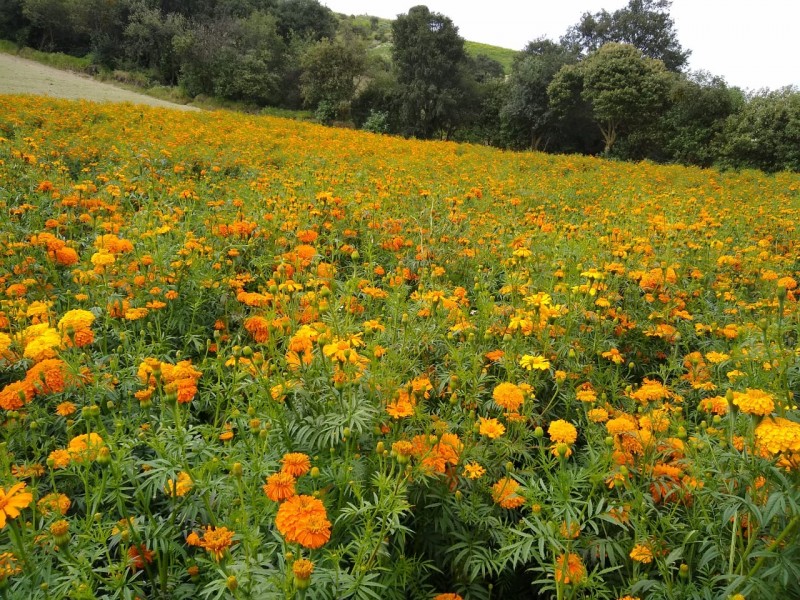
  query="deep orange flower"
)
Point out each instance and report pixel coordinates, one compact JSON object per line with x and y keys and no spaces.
{"x":12,"y":501}
{"x":279,"y":486}
{"x":303,"y":520}
{"x":296,"y":464}
{"x":139,"y":556}
{"x":570,"y":569}
{"x":504,"y":493}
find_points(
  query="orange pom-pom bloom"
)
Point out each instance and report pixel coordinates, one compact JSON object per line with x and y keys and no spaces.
{"x":303,"y":520}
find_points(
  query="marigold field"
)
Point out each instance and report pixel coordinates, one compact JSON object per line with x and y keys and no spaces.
{"x":244,"y":357}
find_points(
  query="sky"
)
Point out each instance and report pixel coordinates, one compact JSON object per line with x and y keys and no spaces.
{"x":751,"y":43}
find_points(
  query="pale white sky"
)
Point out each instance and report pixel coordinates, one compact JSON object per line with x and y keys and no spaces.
{"x":751,"y":43}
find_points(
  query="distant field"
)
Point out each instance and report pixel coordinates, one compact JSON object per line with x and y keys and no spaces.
{"x":22,"y":76}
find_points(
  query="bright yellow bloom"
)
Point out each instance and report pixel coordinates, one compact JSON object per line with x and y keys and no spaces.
{"x":538,"y":363}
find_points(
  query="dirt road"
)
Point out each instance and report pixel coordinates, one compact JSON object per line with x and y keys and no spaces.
{"x":22,"y":76}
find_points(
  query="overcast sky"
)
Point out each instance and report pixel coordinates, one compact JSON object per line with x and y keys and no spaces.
{"x":751,"y":43}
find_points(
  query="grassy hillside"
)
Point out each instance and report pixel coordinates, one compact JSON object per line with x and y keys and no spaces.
{"x":247,"y":357}
{"x":379,"y":32}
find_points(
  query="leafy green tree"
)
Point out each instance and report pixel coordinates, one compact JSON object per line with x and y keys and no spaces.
{"x":645,"y":24}
{"x":527,"y":114}
{"x":149,"y":38}
{"x":51,"y":24}
{"x":429,"y":58}
{"x":12,"y":21}
{"x":700,"y":104}
{"x":331,"y":71}
{"x":765,"y":133}
{"x":239,"y":59}
{"x":623,"y":90}
{"x":306,"y":19}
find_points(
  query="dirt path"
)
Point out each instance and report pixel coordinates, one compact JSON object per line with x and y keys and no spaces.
{"x":22,"y":76}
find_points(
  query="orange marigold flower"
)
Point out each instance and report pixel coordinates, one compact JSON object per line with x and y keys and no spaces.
{"x":303,"y":520}
{"x":139,"y":556}
{"x":12,"y":501}
{"x":54,"y":502}
{"x":447,"y":597}
{"x":66,"y":409}
{"x":59,"y":459}
{"x":16,"y":395}
{"x":258,"y":327}
{"x":295,"y":464}
{"x":562,"y":432}
{"x":504,"y":493}
{"x":570,"y":569}
{"x":216,"y":541}
{"x":302,"y":568}
{"x":508,"y":396}
{"x":279,"y":486}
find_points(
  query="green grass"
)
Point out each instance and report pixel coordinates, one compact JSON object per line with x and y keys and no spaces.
{"x":59,"y":60}
{"x":504,"y":56}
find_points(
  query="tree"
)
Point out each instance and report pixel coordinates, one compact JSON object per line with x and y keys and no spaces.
{"x":623,"y":89}
{"x":530,"y":120}
{"x":764,"y":134}
{"x":429,"y":58}
{"x":645,"y":24}
{"x":149,"y":39}
{"x":239,"y":59}
{"x":330,"y":72}
{"x":700,"y":104}
{"x":305,"y":19}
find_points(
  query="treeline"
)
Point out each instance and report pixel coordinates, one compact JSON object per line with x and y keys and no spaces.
{"x":615,"y":83}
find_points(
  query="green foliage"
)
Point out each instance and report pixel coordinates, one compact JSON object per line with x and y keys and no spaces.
{"x":644,"y":24}
{"x":764,"y":134}
{"x":527,"y":114}
{"x":429,"y":58}
{"x":331,"y":71}
{"x":504,"y":56}
{"x":622,"y":88}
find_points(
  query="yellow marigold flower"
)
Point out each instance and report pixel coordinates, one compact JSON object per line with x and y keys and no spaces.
{"x":85,"y":447}
{"x":598,"y":415}
{"x":179,"y":486}
{"x":754,"y":402}
{"x":539,"y":363}
{"x":776,"y":434}
{"x":562,"y":432}
{"x":508,"y":396}
{"x":473,"y":470}
{"x":642,"y":553}
{"x":8,"y":566}
{"x":491,"y":428}
{"x":621,"y":424}
{"x":76,"y":320}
